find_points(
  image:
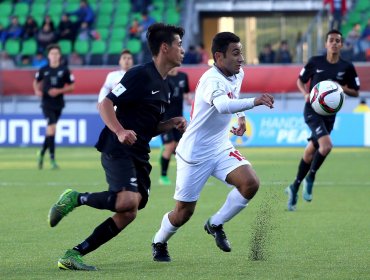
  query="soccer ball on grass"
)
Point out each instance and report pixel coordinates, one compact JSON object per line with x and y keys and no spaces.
{"x":327,"y":98}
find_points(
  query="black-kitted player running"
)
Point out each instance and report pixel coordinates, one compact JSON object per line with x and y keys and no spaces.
{"x":51,"y":82}
{"x":141,"y":99}
{"x":320,"y":68}
{"x":179,"y":84}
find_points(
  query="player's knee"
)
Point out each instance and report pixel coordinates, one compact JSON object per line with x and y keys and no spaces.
{"x":325,"y":149}
{"x":181,"y":216}
{"x":127,"y":205}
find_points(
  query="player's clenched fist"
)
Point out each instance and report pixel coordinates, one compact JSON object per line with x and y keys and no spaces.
{"x":127,"y":137}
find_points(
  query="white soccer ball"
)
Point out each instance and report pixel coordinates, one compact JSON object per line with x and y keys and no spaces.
{"x":327,"y":98}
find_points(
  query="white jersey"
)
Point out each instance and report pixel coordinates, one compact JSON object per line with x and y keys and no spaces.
{"x":208,"y":130}
{"x":113,"y":78}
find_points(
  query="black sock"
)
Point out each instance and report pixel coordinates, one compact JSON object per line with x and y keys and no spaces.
{"x":317,"y":161}
{"x":101,"y":234}
{"x":45,"y":145}
{"x":164,"y":164}
{"x":303,"y":168}
{"x":101,"y":200}
{"x":52,"y":146}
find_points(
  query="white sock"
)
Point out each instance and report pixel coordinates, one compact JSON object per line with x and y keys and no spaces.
{"x":234,"y":203}
{"x":166,"y":230}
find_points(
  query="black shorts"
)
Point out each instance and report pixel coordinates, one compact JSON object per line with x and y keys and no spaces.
{"x":319,"y":125}
{"x":172,"y":135}
{"x":51,"y":115}
{"x":127,"y":173}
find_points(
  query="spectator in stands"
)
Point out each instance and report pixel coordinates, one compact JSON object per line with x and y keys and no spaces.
{"x":6,"y":62}
{"x":352,"y":42}
{"x":13,"y":31}
{"x":362,"y":107}
{"x":134,"y":30}
{"x":39,"y":60}
{"x":74,"y":59}
{"x":203,"y":56}
{"x":48,"y":20}
{"x":139,"y":6}
{"x":45,"y":37}
{"x":191,"y":56}
{"x":84,"y":33}
{"x":66,"y":29}
{"x":267,"y":55}
{"x":84,"y":14}
{"x":365,"y":38}
{"x":25,"y":61}
{"x":283,"y":54}
{"x":338,"y":10}
{"x":146,"y":21}
{"x":30,"y":28}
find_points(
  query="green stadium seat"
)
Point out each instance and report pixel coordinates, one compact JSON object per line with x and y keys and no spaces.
{"x":71,"y":7}
{"x":6,"y":9}
{"x":12,"y":47}
{"x":4,"y":21}
{"x":173,"y":17}
{"x":115,"y":47}
{"x":106,"y":8}
{"x":120,"y":21}
{"x":98,"y":47}
{"x":103,"y":21}
{"x":362,"y":5}
{"x":38,"y":10}
{"x":118,"y":34}
{"x":134,"y":45}
{"x":157,"y":15}
{"x":29,"y":47}
{"x":21,"y":9}
{"x":65,"y":46}
{"x":56,"y":9}
{"x":81,"y":47}
{"x":123,"y":8}
{"x":103,"y":33}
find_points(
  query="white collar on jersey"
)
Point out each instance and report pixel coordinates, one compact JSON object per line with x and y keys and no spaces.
{"x":219,"y":70}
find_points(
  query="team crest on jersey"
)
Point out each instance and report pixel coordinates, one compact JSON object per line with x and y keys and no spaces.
{"x":60,"y":73}
{"x":118,"y":89}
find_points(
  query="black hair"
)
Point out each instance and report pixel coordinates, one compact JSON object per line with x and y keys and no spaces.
{"x":221,"y":42}
{"x":53,"y":46}
{"x":334,"y":31}
{"x":159,"y":33}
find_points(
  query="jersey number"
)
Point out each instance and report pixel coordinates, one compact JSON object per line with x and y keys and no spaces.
{"x":236,"y":154}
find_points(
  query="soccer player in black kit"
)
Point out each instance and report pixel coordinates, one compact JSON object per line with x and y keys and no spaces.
{"x":140,"y":98}
{"x":179,"y":84}
{"x":51,"y":82}
{"x":320,"y":68}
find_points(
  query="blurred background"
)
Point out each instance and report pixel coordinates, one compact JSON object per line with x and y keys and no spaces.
{"x":278,"y":37}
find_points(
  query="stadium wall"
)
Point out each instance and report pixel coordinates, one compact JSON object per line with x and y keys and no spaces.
{"x":272,"y":79}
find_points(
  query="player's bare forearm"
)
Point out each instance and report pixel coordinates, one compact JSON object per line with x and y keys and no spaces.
{"x":108,"y":115}
{"x":178,"y":122}
{"x":37,"y":88}
{"x":350,"y":91}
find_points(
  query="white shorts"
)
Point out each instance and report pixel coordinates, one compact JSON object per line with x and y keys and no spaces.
{"x":191,"y":178}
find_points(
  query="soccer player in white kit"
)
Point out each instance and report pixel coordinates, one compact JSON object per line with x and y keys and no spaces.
{"x":205,"y":149}
{"x":113,"y":78}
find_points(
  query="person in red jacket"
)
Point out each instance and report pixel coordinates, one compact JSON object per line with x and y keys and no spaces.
{"x":338,"y":10}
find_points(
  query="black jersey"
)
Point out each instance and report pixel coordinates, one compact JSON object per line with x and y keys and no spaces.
{"x":179,"y":86}
{"x":141,"y":98}
{"x":319,"y":69}
{"x":53,"y":78}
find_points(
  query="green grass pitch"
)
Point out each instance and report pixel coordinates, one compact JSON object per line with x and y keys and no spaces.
{"x":328,"y":238}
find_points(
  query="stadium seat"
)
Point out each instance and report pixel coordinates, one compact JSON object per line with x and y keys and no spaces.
{"x":6,"y":9}
{"x":103,"y":33}
{"x":21,"y":9}
{"x":56,"y":9}
{"x":38,"y":10}
{"x":29,"y":47}
{"x":71,"y":7}
{"x":362,"y":5}
{"x":123,"y":8}
{"x":134,"y":45}
{"x":65,"y":46}
{"x":115,"y":47}
{"x":120,"y":21}
{"x":98,"y":47}
{"x":12,"y":47}
{"x":157,"y":15}
{"x":4,"y":21}
{"x":106,"y":8}
{"x":118,"y":34}
{"x":81,"y":47}
{"x":172,"y":17}
{"x":103,"y":21}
